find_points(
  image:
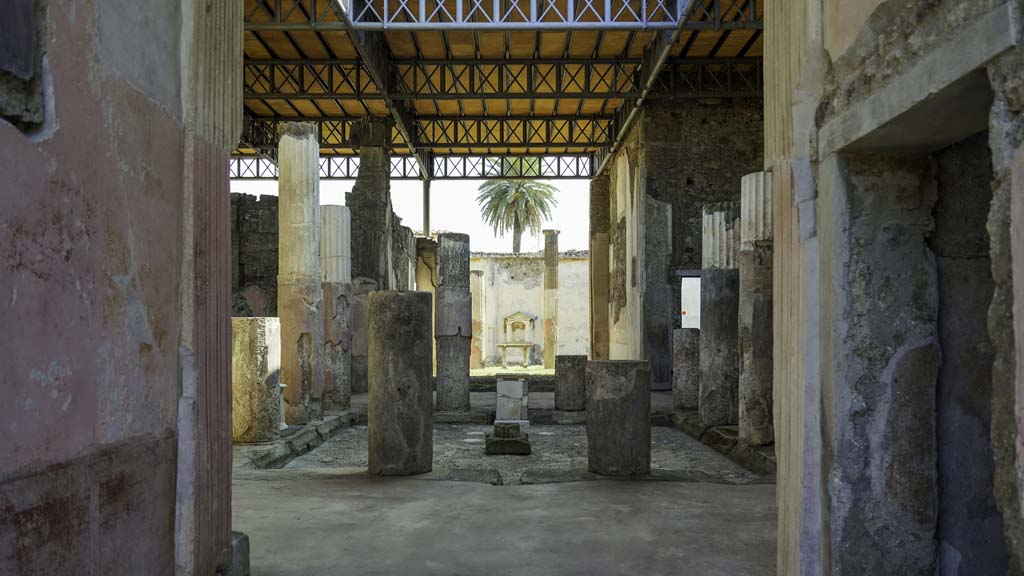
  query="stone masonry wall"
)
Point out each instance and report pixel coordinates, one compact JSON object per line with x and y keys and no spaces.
{"x":696,"y":152}
{"x":254,"y":253}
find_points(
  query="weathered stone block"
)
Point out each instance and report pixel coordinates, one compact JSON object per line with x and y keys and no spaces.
{"x":685,"y":368}
{"x":255,"y":379}
{"x":570,"y":382}
{"x":400,"y":411}
{"x":619,"y":418}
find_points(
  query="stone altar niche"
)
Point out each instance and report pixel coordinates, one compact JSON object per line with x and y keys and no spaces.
{"x":518,"y":334}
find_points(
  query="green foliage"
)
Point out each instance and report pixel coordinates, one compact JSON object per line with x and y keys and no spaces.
{"x":515,"y":205}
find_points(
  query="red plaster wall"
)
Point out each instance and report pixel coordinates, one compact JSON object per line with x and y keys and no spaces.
{"x":90,"y":266}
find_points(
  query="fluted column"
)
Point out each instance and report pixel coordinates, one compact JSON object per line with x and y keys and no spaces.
{"x":336,"y":265}
{"x":600,"y":223}
{"x":719,"y":310}
{"x":300,"y":295}
{"x":550,"y":297}
{"x":755,"y":310}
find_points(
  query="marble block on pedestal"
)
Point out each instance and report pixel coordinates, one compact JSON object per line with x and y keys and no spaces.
{"x":512,"y":401}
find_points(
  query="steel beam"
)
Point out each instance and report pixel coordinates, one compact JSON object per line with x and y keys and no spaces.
{"x":481,"y":15}
{"x":502,"y":132}
{"x":443,"y":80}
{"x":456,"y":167}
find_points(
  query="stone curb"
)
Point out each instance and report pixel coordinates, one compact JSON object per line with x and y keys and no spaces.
{"x":725,"y":441}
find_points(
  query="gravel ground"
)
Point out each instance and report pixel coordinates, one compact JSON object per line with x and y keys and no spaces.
{"x":554,"y":449}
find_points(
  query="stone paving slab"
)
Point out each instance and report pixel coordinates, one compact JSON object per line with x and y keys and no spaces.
{"x":559,"y":454}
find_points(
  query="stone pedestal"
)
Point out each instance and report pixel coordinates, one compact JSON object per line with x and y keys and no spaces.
{"x":550,"y":297}
{"x":685,"y":368}
{"x":255,"y":379}
{"x":454,"y":322}
{"x":299,"y":294}
{"x":755,"y":311}
{"x":336,"y":267}
{"x":570,"y":382}
{"x":719,"y":317}
{"x":619,"y":417}
{"x":400,"y":417}
{"x":507,"y":440}
{"x":361,"y":289}
{"x":513,"y":401}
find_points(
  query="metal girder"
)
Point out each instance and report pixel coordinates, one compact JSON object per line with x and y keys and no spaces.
{"x":466,"y":15}
{"x":517,"y":79}
{"x":483,"y":15}
{"x":443,"y":80}
{"x":464,"y":132}
{"x":462,"y":167}
{"x":735,"y":78}
{"x":513,"y":132}
{"x":491,"y":167}
{"x":333,"y":79}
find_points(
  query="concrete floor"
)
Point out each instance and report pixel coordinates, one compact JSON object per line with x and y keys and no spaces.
{"x":322,"y":522}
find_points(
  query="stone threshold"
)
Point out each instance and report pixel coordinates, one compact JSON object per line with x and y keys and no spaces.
{"x":296,"y":441}
{"x":725,"y":440}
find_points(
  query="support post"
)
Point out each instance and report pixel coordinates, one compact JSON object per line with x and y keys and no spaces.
{"x":454,"y":323}
{"x":755,"y":311}
{"x":719,"y":312}
{"x":336,"y":263}
{"x":550,"y":297}
{"x":600,"y":223}
{"x":426,"y":208}
{"x":399,"y":415}
{"x":300,"y":295}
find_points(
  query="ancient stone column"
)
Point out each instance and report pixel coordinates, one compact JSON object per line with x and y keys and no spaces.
{"x":454,"y":324}
{"x":336,"y":265}
{"x":570,"y":382}
{"x":600,"y":223}
{"x":370,"y":202}
{"x":659,"y":306}
{"x":550,"y":297}
{"x":255,"y":379}
{"x":755,"y":310}
{"x":299,"y":294}
{"x":477,"y":290}
{"x":619,"y":417}
{"x":399,"y":416}
{"x":361,"y":289}
{"x":426,"y":280}
{"x":719,"y":316}
{"x":685,"y":368}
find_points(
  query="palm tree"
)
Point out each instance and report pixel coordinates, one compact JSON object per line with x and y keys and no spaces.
{"x":515,"y":205}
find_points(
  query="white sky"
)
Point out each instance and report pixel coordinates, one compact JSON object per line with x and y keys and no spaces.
{"x":454,"y":209}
